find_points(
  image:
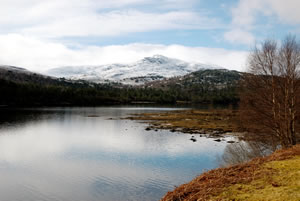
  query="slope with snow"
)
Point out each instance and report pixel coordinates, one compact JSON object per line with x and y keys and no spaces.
{"x":22,"y":75}
{"x":148,"y":69}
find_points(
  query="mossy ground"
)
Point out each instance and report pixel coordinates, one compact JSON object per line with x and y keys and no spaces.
{"x":276,"y":177}
{"x":193,"y":121}
{"x":280,"y":181}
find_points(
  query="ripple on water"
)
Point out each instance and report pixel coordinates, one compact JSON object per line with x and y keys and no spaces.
{"x":59,"y":154}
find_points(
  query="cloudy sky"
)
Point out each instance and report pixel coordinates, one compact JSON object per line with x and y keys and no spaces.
{"x":39,"y":35}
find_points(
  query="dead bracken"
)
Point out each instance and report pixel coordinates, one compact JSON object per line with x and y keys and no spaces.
{"x":275,"y":177}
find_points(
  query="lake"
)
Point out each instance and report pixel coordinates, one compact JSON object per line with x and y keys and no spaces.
{"x":89,"y":154}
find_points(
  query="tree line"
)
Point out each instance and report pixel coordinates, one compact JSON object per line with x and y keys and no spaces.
{"x":32,"y":94}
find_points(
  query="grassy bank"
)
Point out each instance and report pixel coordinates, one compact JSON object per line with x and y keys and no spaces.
{"x":192,"y":121}
{"x":276,"y":177}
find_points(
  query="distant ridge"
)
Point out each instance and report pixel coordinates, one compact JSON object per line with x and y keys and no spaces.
{"x":13,"y":68}
{"x":22,"y":75}
{"x":145,"y":70}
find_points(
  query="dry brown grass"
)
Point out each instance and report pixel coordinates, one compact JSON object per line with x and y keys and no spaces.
{"x":193,"y":121}
{"x":209,"y":185}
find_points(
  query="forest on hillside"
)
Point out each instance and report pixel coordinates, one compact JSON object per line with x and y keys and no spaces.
{"x":63,"y":93}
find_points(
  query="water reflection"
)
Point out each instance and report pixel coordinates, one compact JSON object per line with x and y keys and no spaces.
{"x":83,"y":154}
{"x":244,"y":151}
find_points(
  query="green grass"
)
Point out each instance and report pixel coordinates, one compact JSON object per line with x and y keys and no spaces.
{"x":275,"y":177}
{"x":281,"y":181}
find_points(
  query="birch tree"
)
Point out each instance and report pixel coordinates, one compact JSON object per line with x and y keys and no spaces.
{"x":271,"y":95}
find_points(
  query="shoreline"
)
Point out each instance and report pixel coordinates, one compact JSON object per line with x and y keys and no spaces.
{"x":275,"y":177}
{"x":193,"y":121}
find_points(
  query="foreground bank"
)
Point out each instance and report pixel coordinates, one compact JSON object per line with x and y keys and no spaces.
{"x":276,"y":177}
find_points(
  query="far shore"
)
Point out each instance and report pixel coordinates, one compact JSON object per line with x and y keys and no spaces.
{"x":211,"y":122}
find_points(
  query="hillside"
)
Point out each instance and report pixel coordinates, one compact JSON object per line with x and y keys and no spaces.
{"x":219,"y":85}
{"x":210,"y":78}
{"x":146,"y":70}
{"x":275,"y":177}
{"x":21,"y":87}
{"x":22,"y":75}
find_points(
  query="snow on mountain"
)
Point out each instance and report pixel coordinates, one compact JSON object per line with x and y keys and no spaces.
{"x":145,"y":70}
{"x":13,"y":69}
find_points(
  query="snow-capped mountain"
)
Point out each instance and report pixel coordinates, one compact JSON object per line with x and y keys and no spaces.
{"x":148,"y":69}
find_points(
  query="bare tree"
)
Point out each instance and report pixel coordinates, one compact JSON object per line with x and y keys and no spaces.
{"x":271,"y":91}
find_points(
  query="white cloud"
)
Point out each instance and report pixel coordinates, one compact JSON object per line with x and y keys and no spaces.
{"x":287,"y":10}
{"x":239,"y":36}
{"x":30,"y":27}
{"x":247,"y":14}
{"x":176,"y":4}
{"x":117,"y":23}
{"x":244,"y":14}
{"x":39,"y":55}
{"x":62,"y":18}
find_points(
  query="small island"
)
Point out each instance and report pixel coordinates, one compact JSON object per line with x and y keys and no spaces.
{"x":212,"y":122}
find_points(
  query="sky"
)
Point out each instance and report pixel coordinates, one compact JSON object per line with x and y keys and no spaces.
{"x":39,"y":35}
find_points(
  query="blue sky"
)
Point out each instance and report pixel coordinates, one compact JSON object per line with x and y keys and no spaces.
{"x":45,"y":34}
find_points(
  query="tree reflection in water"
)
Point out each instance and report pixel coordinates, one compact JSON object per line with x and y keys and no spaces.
{"x":244,"y":151}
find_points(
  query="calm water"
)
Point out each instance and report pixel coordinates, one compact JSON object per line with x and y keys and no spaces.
{"x":87,"y":154}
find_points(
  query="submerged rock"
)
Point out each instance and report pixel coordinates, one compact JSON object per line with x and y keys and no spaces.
{"x":193,"y":139}
{"x":92,"y":115}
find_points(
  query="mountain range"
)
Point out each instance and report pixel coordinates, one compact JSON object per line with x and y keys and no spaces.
{"x":146,"y":70}
{"x":157,"y":80}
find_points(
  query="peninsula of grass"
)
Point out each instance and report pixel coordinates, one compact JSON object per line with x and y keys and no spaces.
{"x":192,"y":121}
{"x":276,"y":178}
